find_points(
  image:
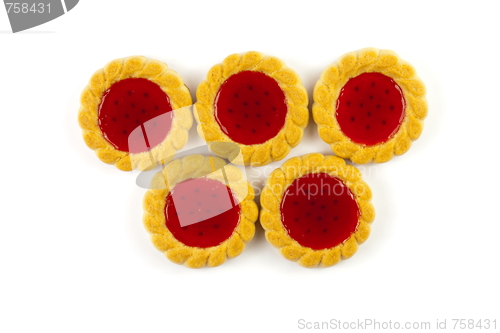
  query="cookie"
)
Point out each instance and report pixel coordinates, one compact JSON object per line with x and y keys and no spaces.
{"x":251,"y":109}
{"x":369,"y":106}
{"x":200,"y":211}
{"x":316,"y":210}
{"x":135,"y":113}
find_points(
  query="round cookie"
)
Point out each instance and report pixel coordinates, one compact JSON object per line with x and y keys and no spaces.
{"x":316,"y":210}
{"x":200,"y":211}
{"x":135,"y":113}
{"x":369,"y":106}
{"x":251,"y":109}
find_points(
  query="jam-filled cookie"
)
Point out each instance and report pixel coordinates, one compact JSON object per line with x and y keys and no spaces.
{"x":135,"y":112}
{"x":200,"y":211}
{"x":369,"y":106}
{"x":256,"y":104}
{"x":316,"y":210}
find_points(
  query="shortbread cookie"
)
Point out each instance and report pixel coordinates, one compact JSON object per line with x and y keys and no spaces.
{"x":200,"y":211}
{"x":369,"y":106}
{"x":316,"y":210}
{"x":254,"y":102}
{"x":135,"y":112}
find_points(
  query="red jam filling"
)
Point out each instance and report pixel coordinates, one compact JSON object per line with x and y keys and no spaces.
{"x":250,"y":107}
{"x":135,"y":115}
{"x":201,"y":212}
{"x":370,"y":108}
{"x":319,"y":211}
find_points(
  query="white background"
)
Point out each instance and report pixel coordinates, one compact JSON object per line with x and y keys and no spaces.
{"x":74,"y":256}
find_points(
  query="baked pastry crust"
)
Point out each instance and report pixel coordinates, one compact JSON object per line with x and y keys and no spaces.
{"x":272,"y":195}
{"x":333,"y":79}
{"x":135,"y":67}
{"x":197,"y":166}
{"x":273,"y":149}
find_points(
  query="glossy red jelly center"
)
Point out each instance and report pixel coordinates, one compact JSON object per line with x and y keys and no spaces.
{"x":250,"y":107}
{"x":319,"y":211}
{"x":201,"y":212}
{"x":370,"y":108}
{"x":135,"y":115}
